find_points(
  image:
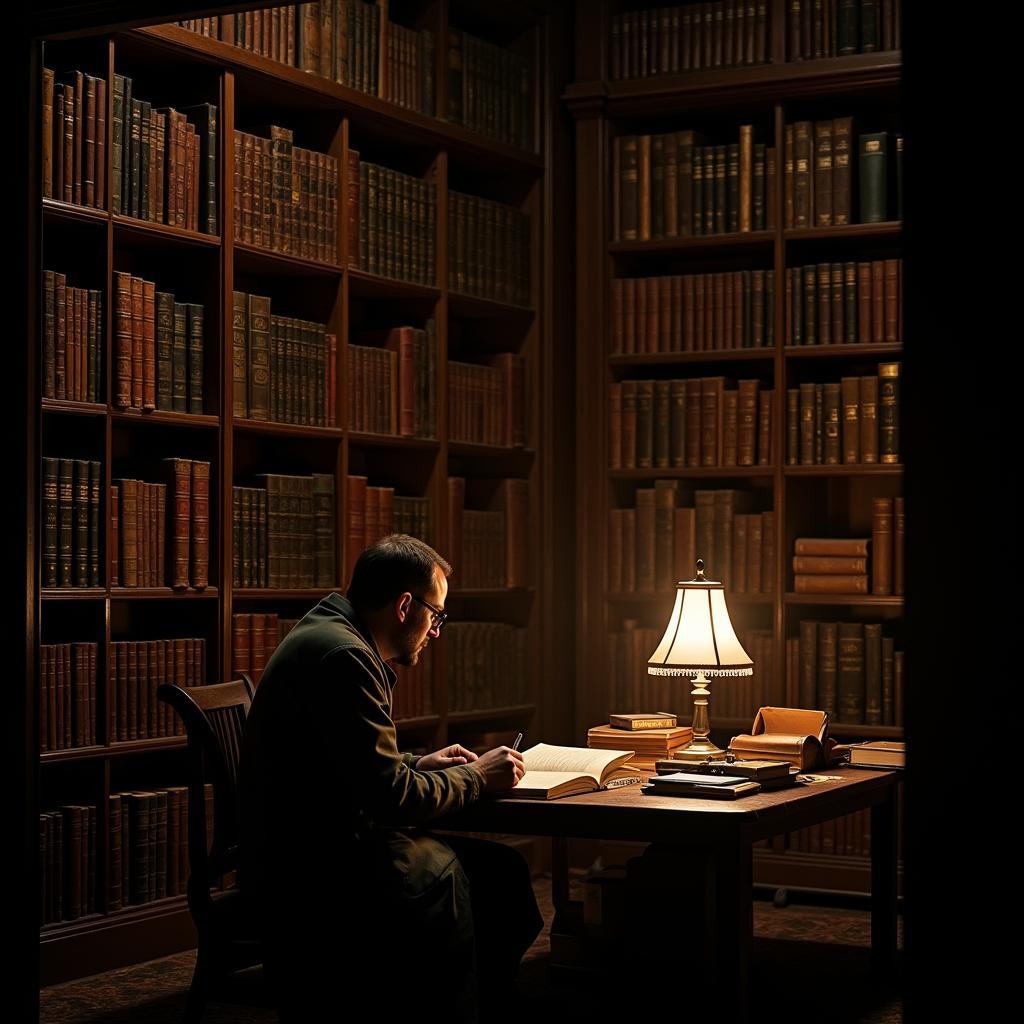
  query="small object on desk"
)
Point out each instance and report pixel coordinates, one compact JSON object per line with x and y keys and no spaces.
{"x":879,"y":754}
{"x":720,"y":787}
{"x":519,"y":739}
{"x":795,"y":736}
{"x":759,"y":771}
{"x":639,"y":723}
{"x":647,"y":744}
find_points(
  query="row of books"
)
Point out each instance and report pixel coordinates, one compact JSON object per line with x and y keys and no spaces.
{"x":67,"y":863}
{"x":818,"y":187}
{"x":137,"y":669}
{"x":392,"y":381}
{"x":269,"y":32}
{"x":284,"y":368}
{"x":695,"y":422}
{"x":71,"y":518}
{"x":283,"y":533}
{"x":376,"y":512}
{"x":285,"y":197}
{"x":658,"y":542}
{"x":836,"y":28}
{"x":254,"y":638}
{"x":158,"y":348}
{"x":846,"y":836}
{"x":693,"y":312}
{"x":852,"y":422}
{"x":74,"y":139}
{"x":397,"y":217}
{"x":72,"y":340}
{"x":487,"y":404}
{"x":839,"y":565}
{"x":409,"y":68}
{"x":340,"y":40}
{"x":164,"y":161}
{"x":67,"y":696}
{"x":849,"y":669}
{"x":487,"y":665}
{"x":488,"y":547}
{"x":679,"y":184}
{"x":488,"y":249}
{"x":735,"y":697}
{"x":694,"y":37}
{"x":148,"y":844}
{"x":142,"y":539}
{"x":490,"y":89}
{"x":845,"y":303}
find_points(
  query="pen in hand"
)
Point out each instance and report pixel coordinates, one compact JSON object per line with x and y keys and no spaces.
{"x":519,"y":739}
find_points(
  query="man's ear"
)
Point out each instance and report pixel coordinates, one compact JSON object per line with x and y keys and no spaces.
{"x":403,"y":606}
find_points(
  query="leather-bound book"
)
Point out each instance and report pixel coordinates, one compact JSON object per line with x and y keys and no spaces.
{"x":851,"y":420}
{"x":747,"y":422}
{"x":615,"y":426}
{"x":828,"y":667}
{"x":241,"y":652}
{"x":730,"y":427}
{"x":195,"y":358}
{"x":808,"y":679}
{"x":792,"y":426}
{"x":831,"y":584}
{"x":836,"y":307}
{"x":810,"y":305}
{"x":204,"y":116}
{"x":899,"y":539}
{"x":823,"y":174}
{"x":892,"y":300}
{"x":662,"y":424}
{"x":888,"y":412}
{"x":645,"y":538}
{"x":50,"y":519}
{"x":851,"y":673}
{"x":824,"y":303}
{"x":850,"y":547}
{"x":767,"y":552}
{"x":629,"y":424}
{"x":803,"y":208}
{"x":712,"y":413}
{"x":684,"y":545}
{"x":842,"y":141}
{"x":872,"y":673}
{"x":888,"y":682}
{"x":720,"y":207}
{"x":764,"y":426}
{"x":806,"y":424}
{"x":739,"y":554}
{"x":666,"y":498}
{"x":755,"y":554}
{"x":657,"y":184}
{"x":878,"y":301}
{"x":704,"y":502}
{"x":873,"y":177}
{"x":65,"y":522}
{"x":831,"y":412}
{"x":882,"y":546}
{"x":830,"y":564}
{"x":869,"y":419}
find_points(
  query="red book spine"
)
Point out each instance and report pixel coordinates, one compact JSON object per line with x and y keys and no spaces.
{"x":200,"y":524}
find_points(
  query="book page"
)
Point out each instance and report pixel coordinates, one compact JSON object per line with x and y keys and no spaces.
{"x":544,"y":781}
{"x":578,"y":760}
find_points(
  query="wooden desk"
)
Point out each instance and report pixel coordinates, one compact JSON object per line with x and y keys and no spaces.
{"x":724,"y":831}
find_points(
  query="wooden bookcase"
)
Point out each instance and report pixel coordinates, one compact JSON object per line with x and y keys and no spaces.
{"x":175,"y":66}
{"x":820,"y":500}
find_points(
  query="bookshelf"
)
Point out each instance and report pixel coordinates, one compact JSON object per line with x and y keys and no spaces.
{"x":816,"y":500}
{"x":171,"y":65}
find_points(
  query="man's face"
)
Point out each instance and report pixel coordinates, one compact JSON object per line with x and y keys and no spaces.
{"x":417,"y":631}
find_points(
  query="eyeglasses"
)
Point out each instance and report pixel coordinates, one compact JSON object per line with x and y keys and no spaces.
{"x":437,"y":617}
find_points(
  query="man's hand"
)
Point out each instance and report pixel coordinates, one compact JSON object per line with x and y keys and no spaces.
{"x":444,"y":758}
{"x":500,"y":768}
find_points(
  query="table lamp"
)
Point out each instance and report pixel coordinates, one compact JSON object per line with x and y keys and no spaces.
{"x":700,"y":641}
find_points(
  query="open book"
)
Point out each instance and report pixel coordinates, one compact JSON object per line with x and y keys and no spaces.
{"x":552,"y":771}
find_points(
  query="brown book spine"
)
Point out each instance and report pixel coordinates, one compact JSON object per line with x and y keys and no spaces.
{"x":200,"y":524}
{"x":765,"y":399}
{"x":830,"y":564}
{"x":179,"y":491}
{"x":831,"y":584}
{"x":851,"y":548}
{"x":882,"y":546}
{"x":851,"y":420}
{"x":869,"y":419}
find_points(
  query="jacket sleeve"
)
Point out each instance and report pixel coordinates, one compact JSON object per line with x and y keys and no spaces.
{"x":352,"y":702}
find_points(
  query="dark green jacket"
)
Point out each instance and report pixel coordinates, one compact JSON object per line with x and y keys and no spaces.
{"x":322,"y":780}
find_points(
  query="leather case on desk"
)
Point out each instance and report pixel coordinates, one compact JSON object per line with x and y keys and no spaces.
{"x":796,"y":735}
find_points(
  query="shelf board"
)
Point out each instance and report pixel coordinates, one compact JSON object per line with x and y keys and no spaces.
{"x":149,"y":231}
{"x":58,"y":405}
{"x":764,"y":355}
{"x":127,"y":747}
{"x":850,"y":600}
{"x":477,"y":307}
{"x":323,"y":94}
{"x":699,"y":90}
{"x":376,"y":286}
{"x":422,"y":722}
{"x":162,"y":594}
{"x":98,"y":922}
{"x":90,"y":753}
{"x":491,"y":593}
{"x":412,"y":444}
{"x":487,"y":714}
{"x":168,"y":419}
{"x":695,"y":472}
{"x":73,"y":593}
{"x":488,"y":450}
{"x":56,"y":209}
{"x":693,"y":243}
{"x":255,"y":260}
{"x":861,"y":232}
{"x":854,"y":469}
{"x":267,"y":594}
{"x":840,"y":351}
{"x":273,"y":428}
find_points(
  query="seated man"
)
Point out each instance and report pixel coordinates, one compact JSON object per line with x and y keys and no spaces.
{"x":330,"y":853}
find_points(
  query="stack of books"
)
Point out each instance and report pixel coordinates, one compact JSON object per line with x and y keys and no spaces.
{"x":653,"y":737}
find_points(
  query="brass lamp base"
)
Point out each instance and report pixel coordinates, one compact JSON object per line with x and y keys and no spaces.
{"x":699,"y":750}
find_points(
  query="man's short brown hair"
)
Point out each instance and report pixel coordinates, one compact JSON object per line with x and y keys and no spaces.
{"x":390,"y":567}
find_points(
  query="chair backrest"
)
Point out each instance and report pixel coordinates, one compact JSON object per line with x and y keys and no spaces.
{"x":214,"y":718}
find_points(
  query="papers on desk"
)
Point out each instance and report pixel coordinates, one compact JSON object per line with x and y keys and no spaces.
{"x":720,"y":787}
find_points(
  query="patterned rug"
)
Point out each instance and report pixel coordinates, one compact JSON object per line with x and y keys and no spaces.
{"x":810,"y":963}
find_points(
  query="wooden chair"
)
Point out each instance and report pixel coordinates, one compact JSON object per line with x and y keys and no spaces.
{"x":214,"y":718}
